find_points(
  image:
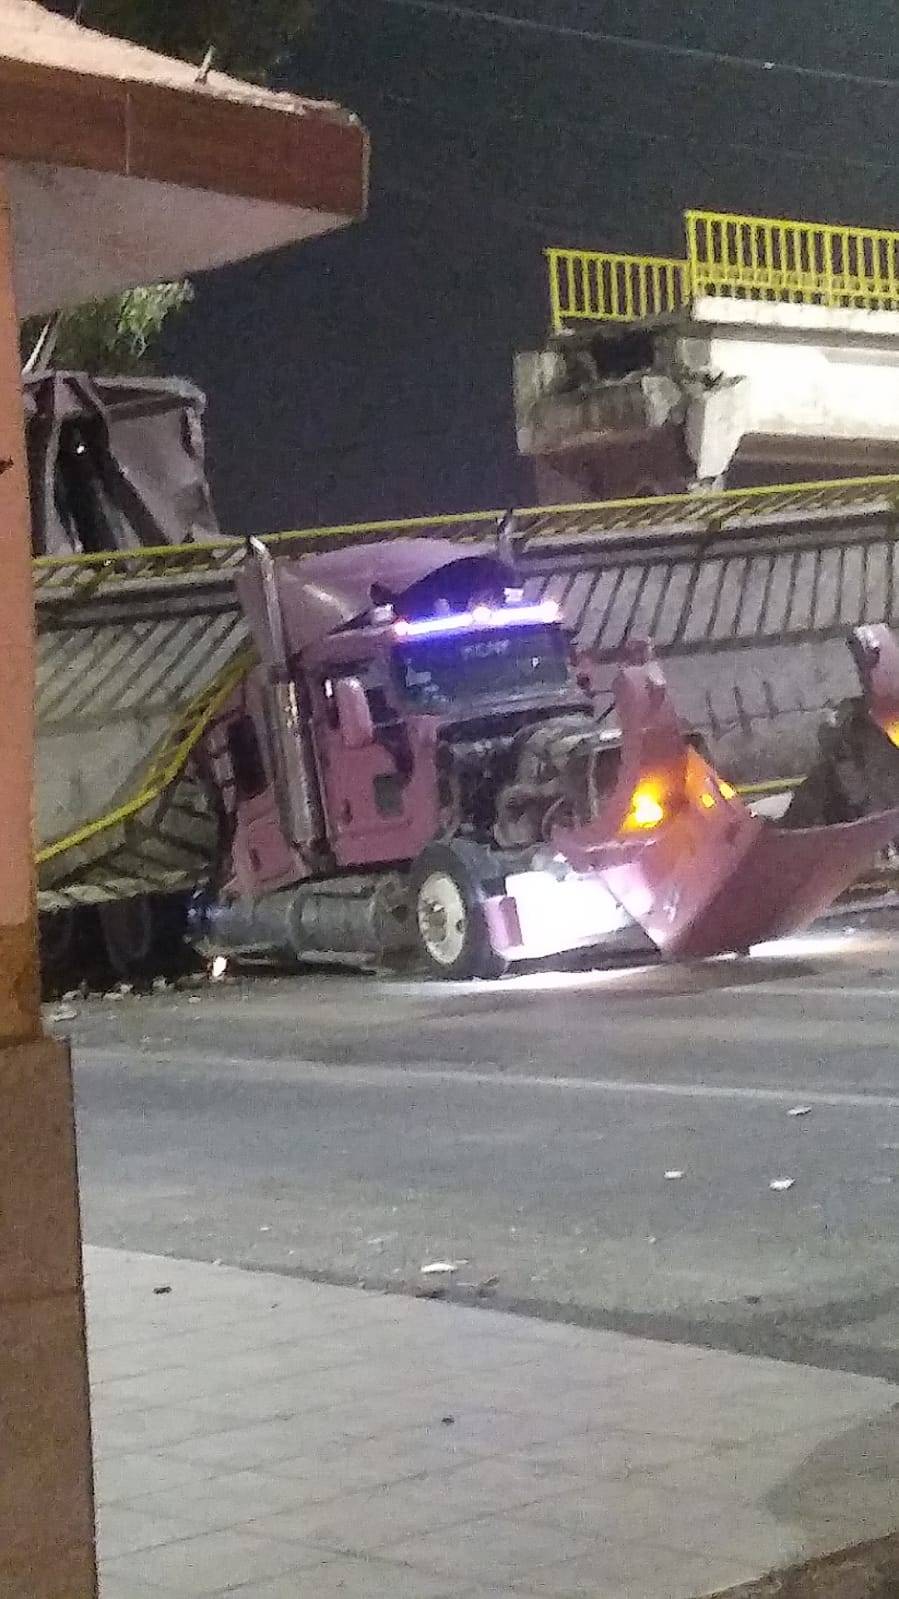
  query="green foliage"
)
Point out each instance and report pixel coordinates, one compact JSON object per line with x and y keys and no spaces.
{"x":248,"y":35}
{"x":112,"y":335}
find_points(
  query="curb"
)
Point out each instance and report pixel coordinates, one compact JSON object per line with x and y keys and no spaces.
{"x":864,"y":1571}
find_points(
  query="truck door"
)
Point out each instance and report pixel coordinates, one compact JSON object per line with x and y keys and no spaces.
{"x":368,"y":780}
{"x":262,"y":857}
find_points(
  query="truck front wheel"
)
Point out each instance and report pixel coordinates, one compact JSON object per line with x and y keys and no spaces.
{"x":447,"y":894}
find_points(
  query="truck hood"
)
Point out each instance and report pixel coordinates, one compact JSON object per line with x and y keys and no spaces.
{"x":321,"y":594}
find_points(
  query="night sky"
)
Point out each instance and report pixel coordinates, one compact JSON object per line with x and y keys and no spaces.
{"x":369,"y":374}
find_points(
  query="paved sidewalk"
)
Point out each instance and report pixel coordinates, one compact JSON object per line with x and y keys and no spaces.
{"x":273,"y":1439}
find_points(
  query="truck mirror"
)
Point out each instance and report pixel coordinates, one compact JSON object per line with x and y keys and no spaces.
{"x":354,"y":716}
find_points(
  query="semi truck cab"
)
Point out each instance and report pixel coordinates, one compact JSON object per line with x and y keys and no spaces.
{"x":416,"y":763}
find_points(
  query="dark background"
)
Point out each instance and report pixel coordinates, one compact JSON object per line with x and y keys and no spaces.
{"x":369,"y":374}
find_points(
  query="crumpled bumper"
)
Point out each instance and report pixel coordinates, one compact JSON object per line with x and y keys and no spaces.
{"x":680,"y":852}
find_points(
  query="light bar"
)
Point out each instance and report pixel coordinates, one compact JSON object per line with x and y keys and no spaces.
{"x":546,"y":611}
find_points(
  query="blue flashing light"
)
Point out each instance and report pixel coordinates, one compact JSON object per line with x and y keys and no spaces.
{"x":545,"y":612}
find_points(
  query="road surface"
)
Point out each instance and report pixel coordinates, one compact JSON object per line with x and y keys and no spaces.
{"x":355,"y":1128}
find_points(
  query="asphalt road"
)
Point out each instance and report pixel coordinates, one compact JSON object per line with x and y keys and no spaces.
{"x":357,"y":1128}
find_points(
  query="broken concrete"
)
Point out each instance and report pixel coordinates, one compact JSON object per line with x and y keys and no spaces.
{"x":757,"y":392}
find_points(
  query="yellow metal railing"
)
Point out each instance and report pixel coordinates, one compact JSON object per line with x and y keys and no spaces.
{"x":167,"y":763}
{"x":68,"y":578}
{"x":734,"y":257}
{"x":601,"y":286}
{"x":800,"y":263}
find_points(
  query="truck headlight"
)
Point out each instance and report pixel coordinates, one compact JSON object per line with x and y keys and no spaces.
{"x":646,"y":810}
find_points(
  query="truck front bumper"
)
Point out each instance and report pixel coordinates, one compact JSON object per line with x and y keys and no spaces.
{"x":549,"y":912}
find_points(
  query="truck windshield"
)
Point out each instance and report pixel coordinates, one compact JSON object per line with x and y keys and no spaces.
{"x":434,"y":672}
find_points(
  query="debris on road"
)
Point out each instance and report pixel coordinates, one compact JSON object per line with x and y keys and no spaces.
{"x":781,"y":1184}
{"x":64,"y":1013}
{"x":488,"y":1285}
{"x":121,"y":991}
{"x":160,"y":984}
{"x":800,"y":1110}
{"x":672,"y":1176}
{"x":441,"y":1268}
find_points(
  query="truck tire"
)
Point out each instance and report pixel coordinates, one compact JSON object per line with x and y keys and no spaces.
{"x":447,"y":887}
{"x":72,"y":949}
{"x":58,"y":940}
{"x":144,"y":936}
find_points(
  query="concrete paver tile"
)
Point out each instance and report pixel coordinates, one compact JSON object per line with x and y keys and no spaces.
{"x":496,"y":1549}
{"x":168,"y":1315}
{"x":607,"y":1452}
{"x":293,"y":1370}
{"x":364,"y":1397}
{"x":491,"y":1592}
{"x":734,"y":1421}
{"x":537,"y":1391}
{"x":155,"y":1429}
{"x":377,"y":1518}
{"x":138,"y":1350}
{"x":369,"y":1417}
{"x":352,"y":1579}
{"x":125,"y":1477}
{"x":223,"y":1501}
{"x":131,"y":1359}
{"x":249,"y":1448}
{"x":637,"y":1572}
{"x":483,"y":1429}
{"x":130,"y":1588}
{"x":122,"y":1530}
{"x":627,"y":1513}
{"x":349,"y":1464}
{"x":205,"y":1565}
{"x":456,"y":1350}
{"x":745,"y":1472}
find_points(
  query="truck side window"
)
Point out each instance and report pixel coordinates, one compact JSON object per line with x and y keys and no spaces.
{"x":246,"y":759}
{"x":379,"y":705}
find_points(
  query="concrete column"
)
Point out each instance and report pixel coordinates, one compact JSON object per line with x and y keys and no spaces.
{"x":46,"y":1499}
{"x":19,"y":1010}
